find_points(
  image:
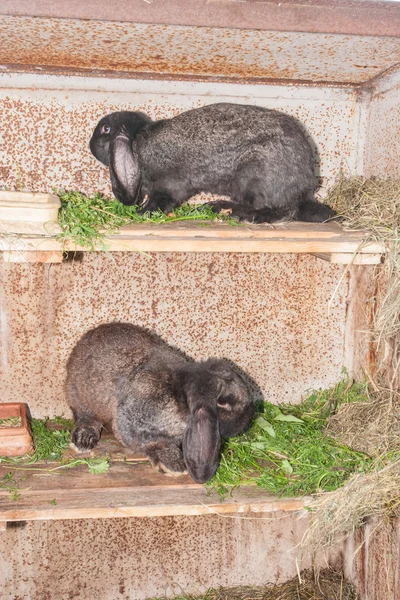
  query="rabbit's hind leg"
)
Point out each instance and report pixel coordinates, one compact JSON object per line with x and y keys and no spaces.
{"x":312,"y":211}
{"x":166,"y":456}
{"x":86,"y":433}
{"x":246,"y":213}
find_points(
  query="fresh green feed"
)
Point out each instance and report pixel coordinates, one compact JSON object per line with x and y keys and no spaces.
{"x":286,"y":452}
{"x":87,"y":221}
{"x":49,"y":445}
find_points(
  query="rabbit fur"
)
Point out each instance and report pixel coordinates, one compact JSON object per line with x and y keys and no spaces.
{"x":155,"y":399}
{"x":259,"y":157}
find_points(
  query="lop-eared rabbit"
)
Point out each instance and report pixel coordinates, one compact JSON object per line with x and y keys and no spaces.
{"x":259,"y":157}
{"x":156,"y":400}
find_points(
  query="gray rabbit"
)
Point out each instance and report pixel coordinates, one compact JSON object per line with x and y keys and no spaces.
{"x":259,"y":157}
{"x":155,"y":399}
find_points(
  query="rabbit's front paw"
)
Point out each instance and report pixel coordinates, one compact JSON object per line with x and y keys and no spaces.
{"x":168,"y":458}
{"x":85,"y":437}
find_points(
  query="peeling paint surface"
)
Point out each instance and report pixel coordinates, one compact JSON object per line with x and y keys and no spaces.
{"x":382,"y":150}
{"x":46,"y":125}
{"x":267,"y":313}
{"x":134,"y":559}
{"x":194,"y":51}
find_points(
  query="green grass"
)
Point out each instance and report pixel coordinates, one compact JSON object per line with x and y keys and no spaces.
{"x":286,"y":452}
{"x":87,"y":221}
{"x":49,"y":444}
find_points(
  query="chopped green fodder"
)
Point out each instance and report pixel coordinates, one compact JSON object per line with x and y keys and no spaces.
{"x":286,"y":452}
{"x":8,"y":483}
{"x":51,"y":437}
{"x":87,"y":221}
{"x":49,"y":444}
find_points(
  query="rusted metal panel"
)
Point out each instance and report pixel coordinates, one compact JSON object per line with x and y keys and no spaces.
{"x":47,"y":121}
{"x":372,"y":560}
{"x":382,"y":148}
{"x":194,"y":51}
{"x":276,"y":325}
{"x":267,"y":313}
{"x":134,"y":559}
{"x":330,"y":16}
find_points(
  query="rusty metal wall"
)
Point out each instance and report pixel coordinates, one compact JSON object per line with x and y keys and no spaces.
{"x":382,"y":145}
{"x":134,"y":559}
{"x":139,"y":48}
{"x":342,"y":16}
{"x":372,"y":560}
{"x":46,"y":122}
{"x":268,"y":313}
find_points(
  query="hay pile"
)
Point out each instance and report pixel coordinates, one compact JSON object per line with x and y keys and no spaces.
{"x":336,"y":514}
{"x":371,"y":204}
{"x":328,"y":585}
{"x":372,"y":427}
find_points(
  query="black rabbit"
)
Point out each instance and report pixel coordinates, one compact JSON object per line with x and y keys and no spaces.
{"x":155,"y":399}
{"x":259,"y":157}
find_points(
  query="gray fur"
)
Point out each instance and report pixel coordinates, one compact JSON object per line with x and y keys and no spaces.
{"x":156,"y":400}
{"x":259,"y":157}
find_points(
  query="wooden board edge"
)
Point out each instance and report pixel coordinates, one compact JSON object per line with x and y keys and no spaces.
{"x":228,"y":245}
{"x":240,"y":511}
{"x":346,"y":258}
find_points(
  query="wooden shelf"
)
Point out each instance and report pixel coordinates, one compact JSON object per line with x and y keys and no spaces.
{"x":130,"y":488}
{"x":324,"y":240}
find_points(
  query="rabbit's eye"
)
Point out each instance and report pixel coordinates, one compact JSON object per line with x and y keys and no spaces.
{"x":105,"y":129}
{"x":223,"y":403}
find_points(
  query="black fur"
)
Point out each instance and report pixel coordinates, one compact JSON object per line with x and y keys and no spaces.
{"x":259,"y":157}
{"x":156,"y":400}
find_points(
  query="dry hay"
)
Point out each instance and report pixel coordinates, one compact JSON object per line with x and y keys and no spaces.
{"x":372,"y":204}
{"x":372,"y":427}
{"x":327,"y":585}
{"x":338,"y":513}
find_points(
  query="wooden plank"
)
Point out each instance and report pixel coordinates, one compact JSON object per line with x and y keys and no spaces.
{"x":223,"y":230}
{"x":341,"y":258}
{"x":136,"y":502}
{"x":221,"y":238}
{"x":127,"y":489}
{"x":40,"y":478}
{"x":32,"y":256}
{"x":234,"y":245}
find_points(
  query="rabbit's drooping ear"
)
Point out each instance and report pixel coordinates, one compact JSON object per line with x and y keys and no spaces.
{"x":124,"y":170}
{"x":201,"y":440}
{"x":201,"y":443}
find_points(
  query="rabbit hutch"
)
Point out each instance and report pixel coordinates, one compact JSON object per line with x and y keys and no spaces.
{"x":287,"y":303}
